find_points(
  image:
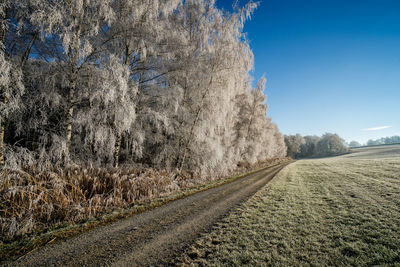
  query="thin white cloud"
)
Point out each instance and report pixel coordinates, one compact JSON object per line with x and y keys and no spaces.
{"x":376,"y":128}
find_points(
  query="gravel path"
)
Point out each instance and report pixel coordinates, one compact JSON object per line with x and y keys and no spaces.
{"x":154,"y":237}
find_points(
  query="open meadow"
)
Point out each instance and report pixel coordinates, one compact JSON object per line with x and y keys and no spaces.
{"x":333,"y":211}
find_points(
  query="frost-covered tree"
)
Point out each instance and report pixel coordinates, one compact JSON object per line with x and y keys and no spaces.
{"x":251,"y":121}
{"x":293,"y":144}
{"x":279,"y":148}
{"x":309,"y":148}
{"x":142,"y":41}
{"x":163,"y":83}
{"x":215,"y":52}
{"x":313,"y":146}
{"x":392,"y":140}
{"x":384,"y":140}
{"x":11,"y":86}
{"x":354,"y":144}
{"x":72,"y":26}
{"x":107,"y":114}
{"x":331,"y":144}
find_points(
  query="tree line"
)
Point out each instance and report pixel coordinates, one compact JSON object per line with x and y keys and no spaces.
{"x":380,"y":141}
{"x":106,"y":83}
{"x":384,"y":141}
{"x":314,"y":146}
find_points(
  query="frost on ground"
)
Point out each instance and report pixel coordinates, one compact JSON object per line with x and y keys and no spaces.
{"x":336,"y":211}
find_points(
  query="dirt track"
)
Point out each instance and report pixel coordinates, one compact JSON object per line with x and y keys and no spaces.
{"x":154,"y":237}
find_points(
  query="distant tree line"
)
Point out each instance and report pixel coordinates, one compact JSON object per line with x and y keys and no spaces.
{"x":384,"y":141}
{"x":108,"y":82}
{"x":314,"y":146}
{"x":381,"y":141}
{"x":354,"y":144}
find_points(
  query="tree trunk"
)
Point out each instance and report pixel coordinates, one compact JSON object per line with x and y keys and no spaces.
{"x":189,"y":140}
{"x":25,"y":56}
{"x":70,"y":112}
{"x":73,"y":55}
{"x":2,"y":131}
{"x":117,"y":150}
{"x":248,"y":130}
{"x":181,"y":122}
{"x":2,"y":147}
{"x":3,"y":25}
{"x":119,"y":136}
{"x":70,"y":108}
{"x":3,"y":21}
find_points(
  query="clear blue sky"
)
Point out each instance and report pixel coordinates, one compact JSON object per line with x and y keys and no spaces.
{"x":331,"y":65}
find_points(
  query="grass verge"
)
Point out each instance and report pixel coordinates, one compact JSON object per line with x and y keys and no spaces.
{"x":25,"y":244}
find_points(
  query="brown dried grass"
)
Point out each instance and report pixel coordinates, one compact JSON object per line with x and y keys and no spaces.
{"x":35,"y":201}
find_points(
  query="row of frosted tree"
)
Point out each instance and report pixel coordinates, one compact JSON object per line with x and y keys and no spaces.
{"x":389,"y":140}
{"x":384,"y":141}
{"x":106,"y":83}
{"x":309,"y":146}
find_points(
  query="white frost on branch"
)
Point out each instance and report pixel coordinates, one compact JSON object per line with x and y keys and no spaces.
{"x":162,"y":83}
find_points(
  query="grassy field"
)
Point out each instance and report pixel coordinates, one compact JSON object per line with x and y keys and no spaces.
{"x":334,"y":211}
